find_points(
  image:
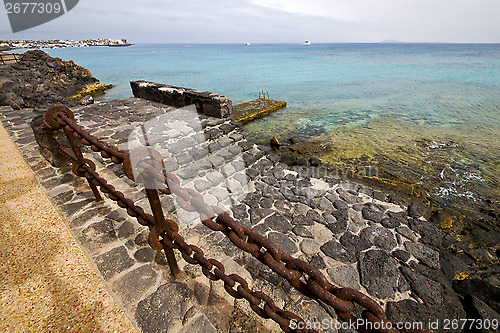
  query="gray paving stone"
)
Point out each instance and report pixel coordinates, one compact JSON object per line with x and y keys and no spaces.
{"x":113,"y":262}
{"x":318,"y":262}
{"x":99,"y":234}
{"x":373,"y":212}
{"x":278,"y":222}
{"x":146,"y":254}
{"x":310,"y":246}
{"x":302,"y":231}
{"x":125,"y":229}
{"x":199,"y":325}
{"x":283,"y":242}
{"x":428,"y":290}
{"x":338,"y":252}
{"x":164,"y":310}
{"x":379,"y":273}
{"x":424,"y":253}
{"x":323,"y":204}
{"x":132,"y":285}
{"x":344,"y":276}
{"x":339,"y":204}
{"x":380,"y":237}
{"x":354,"y":243}
{"x":337,"y":223}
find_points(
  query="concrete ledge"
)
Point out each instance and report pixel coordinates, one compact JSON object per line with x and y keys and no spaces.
{"x":208,"y":103}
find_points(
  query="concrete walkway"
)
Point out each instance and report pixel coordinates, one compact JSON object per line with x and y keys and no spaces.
{"x":48,"y":284}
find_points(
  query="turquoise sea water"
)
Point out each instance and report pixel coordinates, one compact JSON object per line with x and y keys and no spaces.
{"x":441,"y":101}
{"x":326,"y":84}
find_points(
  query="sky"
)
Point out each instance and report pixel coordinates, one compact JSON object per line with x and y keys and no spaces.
{"x":272,"y":21}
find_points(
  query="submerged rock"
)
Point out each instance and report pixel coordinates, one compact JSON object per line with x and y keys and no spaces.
{"x":275,"y":143}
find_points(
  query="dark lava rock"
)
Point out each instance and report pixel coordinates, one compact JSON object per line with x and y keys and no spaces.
{"x":337,"y":226}
{"x":484,"y":315}
{"x":38,"y":80}
{"x":113,"y":262}
{"x":274,"y":143}
{"x":480,"y":289}
{"x":87,"y":100}
{"x":409,"y":311}
{"x":379,"y":273}
{"x":424,"y":254}
{"x":283,"y":242}
{"x":401,"y":255}
{"x":428,"y":290}
{"x":380,"y":237}
{"x":7,"y":94}
{"x":318,"y":262}
{"x":400,"y":216}
{"x":165,"y":308}
{"x":390,"y":222}
{"x":373,"y":212}
{"x":431,"y":273}
{"x":429,"y":233}
{"x":278,"y":222}
{"x":338,"y":252}
{"x":354,"y":243}
{"x":302,"y":232}
{"x":379,"y":195}
{"x":416,"y":210}
{"x":339,"y":204}
{"x":314,"y":162}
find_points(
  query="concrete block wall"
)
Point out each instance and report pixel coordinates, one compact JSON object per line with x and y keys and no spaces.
{"x":211,"y":104}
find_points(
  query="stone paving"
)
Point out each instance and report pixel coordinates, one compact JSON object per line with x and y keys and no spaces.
{"x":353,"y":234}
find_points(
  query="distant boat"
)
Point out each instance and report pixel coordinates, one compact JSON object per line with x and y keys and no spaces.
{"x":307,"y":42}
{"x":248,"y":44}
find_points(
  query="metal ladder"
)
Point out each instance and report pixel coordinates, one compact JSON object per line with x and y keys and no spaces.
{"x":263,"y":94}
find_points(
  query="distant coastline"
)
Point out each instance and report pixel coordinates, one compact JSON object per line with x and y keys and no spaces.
{"x":58,"y":43}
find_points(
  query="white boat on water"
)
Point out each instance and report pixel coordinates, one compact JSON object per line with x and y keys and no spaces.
{"x":307,"y":42}
{"x":248,"y":44}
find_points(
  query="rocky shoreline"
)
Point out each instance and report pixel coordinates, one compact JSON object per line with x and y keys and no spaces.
{"x":359,"y":237}
{"x":472,"y":233}
{"x":38,"y":81}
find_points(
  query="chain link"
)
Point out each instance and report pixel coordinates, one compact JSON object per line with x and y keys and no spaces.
{"x":301,"y":275}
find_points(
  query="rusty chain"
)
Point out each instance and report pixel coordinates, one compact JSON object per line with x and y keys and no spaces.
{"x":301,"y":275}
{"x":234,"y":284}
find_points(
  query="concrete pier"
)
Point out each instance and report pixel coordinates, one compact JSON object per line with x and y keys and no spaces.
{"x":255,"y":109}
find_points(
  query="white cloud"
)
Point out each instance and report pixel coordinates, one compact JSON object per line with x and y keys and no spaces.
{"x":276,"y":21}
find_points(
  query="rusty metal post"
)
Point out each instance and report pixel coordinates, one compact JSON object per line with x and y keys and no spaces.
{"x":80,"y":161}
{"x":130,"y":165}
{"x":161,"y":224}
